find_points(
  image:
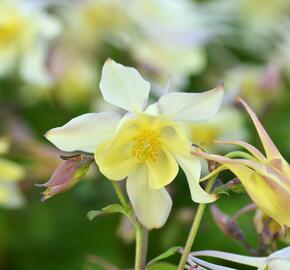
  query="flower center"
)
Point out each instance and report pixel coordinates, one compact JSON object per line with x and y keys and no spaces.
{"x":147,"y":146}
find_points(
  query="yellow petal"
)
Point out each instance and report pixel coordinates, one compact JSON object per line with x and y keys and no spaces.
{"x":269,"y":147}
{"x":163,"y":170}
{"x":268,"y":188}
{"x":253,"y":150}
{"x":192,"y":170}
{"x":10,"y":195}
{"x":114,"y":157}
{"x":10,"y":171}
{"x":269,"y":196}
{"x":174,"y":138}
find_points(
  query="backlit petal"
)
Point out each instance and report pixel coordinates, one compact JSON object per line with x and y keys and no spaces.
{"x":253,"y":150}
{"x":85,"y":132}
{"x":152,"y":206}
{"x":195,"y":261}
{"x":123,"y":86}
{"x":192,"y":170}
{"x":10,"y":171}
{"x":163,"y":170}
{"x":175,"y":139}
{"x":189,"y":106}
{"x":269,"y":147}
{"x":253,"y":261}
{"x":114,"y":157}
{"x":10,"y":195}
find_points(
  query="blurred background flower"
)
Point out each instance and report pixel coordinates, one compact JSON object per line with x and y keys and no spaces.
{"x":10,"y":174}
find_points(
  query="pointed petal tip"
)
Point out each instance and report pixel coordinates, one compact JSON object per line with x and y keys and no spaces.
{"x":206,"y":198}
{"x":46,"y":134}
{"x":109,"y":61}
{"x":241,"y":101}
{"x":49,"y":133}
{"x":197,"y":152}
{"x":269,"y":147}
{"x":43,"y":198}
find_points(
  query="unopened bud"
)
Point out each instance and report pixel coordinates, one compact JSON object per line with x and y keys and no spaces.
{"x":226,"y":224}
{"x":67,"y":175}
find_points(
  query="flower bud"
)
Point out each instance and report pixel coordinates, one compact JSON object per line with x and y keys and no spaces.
{"x":226,"y":224}
{"x":67,"y":175}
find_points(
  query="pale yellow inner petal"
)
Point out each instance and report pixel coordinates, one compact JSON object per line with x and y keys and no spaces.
{"x":163,"y":170}
{"x":144,"y":140}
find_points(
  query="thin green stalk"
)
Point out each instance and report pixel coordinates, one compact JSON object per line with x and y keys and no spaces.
{"x":140,"y":232}
{"x":194,"y":227}
{"x":141,"y":247}
{"x":121,"y":196}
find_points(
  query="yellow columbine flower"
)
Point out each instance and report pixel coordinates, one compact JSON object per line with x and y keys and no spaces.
{"x":145,"y":145}
{"x":25,"y":33}
{"x":266,"y":178}
{"x":227,"y":124}
{"x":279,"y":260}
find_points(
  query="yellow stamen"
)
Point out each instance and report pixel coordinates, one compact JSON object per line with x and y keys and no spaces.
{"x":147,"y":146}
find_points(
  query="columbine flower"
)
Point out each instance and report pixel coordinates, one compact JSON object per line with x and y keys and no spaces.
{"x":279,"y":260}
{"x":266,"y":178}
{"x":25,"y":32}
{"x":228,"y":123}
{"x":146,"y":145}
{"x":67,"y":175}
{"x":171,"y":37}
{"x":260,"y":86}
{"x":10,"y":174}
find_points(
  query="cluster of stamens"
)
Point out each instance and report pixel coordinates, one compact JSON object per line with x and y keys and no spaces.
{"x":147,"y":146}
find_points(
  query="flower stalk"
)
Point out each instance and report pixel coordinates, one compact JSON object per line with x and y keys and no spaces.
{"x":195,"y":227}
{"x":141,"y":247}
{"x":140,"y":231}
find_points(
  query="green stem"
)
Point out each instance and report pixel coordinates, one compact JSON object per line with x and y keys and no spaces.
{"x":121,"y":196}
{"x":140,"y":231}
{"x":141,"y":247}
{"x":194,"y":227}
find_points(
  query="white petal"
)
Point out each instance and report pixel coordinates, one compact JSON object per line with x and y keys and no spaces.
{"x":247,"y":260}
{"x":209,"y":265}
{"x":152,"y":206}
{"x":10,"y":195}
{"x":33,"y":67}
{"x":85,"y":132}
{"x":280,"y":264}
{"x":192,"y":107}
{"x":282,"y":253}
{"x":123,"y":86}
{"x":192,"y":170}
